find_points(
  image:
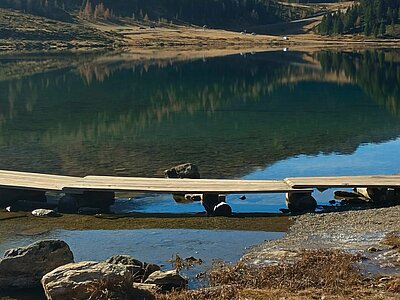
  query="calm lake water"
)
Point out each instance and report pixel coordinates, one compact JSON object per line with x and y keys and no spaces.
{"x":157,"y":246}
{"x":263,"y":116}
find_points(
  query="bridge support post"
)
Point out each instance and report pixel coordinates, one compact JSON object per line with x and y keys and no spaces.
{"x":300,"y":202}
{"x":216,"y":205}
{"x":380,"y":196}
{"x":8,"y":196}
{"x":87,"y":202}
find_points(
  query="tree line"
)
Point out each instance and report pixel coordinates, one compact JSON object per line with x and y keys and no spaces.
{"x":219,"y":13}
{"x":370,"y":17}
{"x":200,"y":12}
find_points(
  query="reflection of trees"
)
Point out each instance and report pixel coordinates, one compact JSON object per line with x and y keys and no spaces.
{"x":229,"y":115}
{"x":376,"y":72}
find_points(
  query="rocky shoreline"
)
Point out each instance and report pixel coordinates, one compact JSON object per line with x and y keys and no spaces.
{"x":50,"y":263}
{"x":359,"y":231}
{"x":359,"y":235}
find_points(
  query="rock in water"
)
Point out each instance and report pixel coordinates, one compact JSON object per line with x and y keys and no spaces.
{"x":222,"y":209}
{"x":140,"y":269}
{"x":215,"y":205}
{"x":89,"y":279}
{"x":300,"y":202}
{"x":167,"y":280}
{"x":124,"y":260}
{"x":24,"y":267}
{"x":45,"y":213}
{"x":187,"y":170}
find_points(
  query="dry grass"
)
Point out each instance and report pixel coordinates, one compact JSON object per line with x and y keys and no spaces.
{"x":392,"y":239}
{"x":317,"y":274}
{"x":328,"y":270}
{"x":180,"y":263}
{"x":118,"y":288}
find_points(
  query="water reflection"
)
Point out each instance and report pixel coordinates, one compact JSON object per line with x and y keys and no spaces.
{"x":230,"y":115}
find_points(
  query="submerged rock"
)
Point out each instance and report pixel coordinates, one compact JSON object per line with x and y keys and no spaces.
{"x":89,"y":279}
{"x":187,"y":170}
{"x":24,"y":267}
{"x":167,"y":280}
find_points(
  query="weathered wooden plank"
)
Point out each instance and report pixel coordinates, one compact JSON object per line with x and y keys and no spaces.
{"x":34,"y":181}
{"x":161,"y":185}
{"x":372,"y":181}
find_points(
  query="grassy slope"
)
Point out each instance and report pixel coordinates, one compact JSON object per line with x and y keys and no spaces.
{"x":19,"y":30}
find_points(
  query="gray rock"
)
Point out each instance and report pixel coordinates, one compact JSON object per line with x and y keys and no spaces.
{"x":187,"y":170}
{"x":124,"y":260}
{"x":300,"y":202}
{"x":24,"y":267}
{"x":45,"y":213}
{"x":167,"y":280}
{"x":150,"y":269}
{"x":215,"y":205}
{"x":140,"y":269}
{"x":89,"y":279}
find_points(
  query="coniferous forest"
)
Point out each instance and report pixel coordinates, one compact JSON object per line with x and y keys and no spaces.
{"x":370,"y":17}
{"x":200,"y":12}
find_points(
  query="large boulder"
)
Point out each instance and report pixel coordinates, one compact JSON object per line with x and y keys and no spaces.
{"x":167,"y":280}
{"x":187,"y":170}
{"x":94,"y":280}
{"x":24,"y":267}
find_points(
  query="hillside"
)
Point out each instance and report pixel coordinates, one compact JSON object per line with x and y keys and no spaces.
{"x":214,"y":13}
{"x":21,"y":31}
{"x":368,"y":17}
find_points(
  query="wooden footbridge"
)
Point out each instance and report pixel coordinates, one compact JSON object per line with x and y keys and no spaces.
{"x":76,"y":185}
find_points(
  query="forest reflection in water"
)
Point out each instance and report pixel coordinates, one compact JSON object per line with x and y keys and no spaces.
{"x":229,"y":115}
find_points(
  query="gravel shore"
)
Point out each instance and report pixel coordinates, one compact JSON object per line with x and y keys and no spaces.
{"x":359,"y":231}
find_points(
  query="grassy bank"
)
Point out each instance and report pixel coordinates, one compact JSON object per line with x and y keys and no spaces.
{"x":317,"y":274}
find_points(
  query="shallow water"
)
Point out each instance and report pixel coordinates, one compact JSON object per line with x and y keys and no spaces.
{"x":155,"y":245}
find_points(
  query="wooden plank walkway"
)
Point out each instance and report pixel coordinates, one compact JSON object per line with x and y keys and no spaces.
{"x":48,"y":182}
{"x":161,"y":185}
{"x":35,"y":181}
{"x":374,"y":181}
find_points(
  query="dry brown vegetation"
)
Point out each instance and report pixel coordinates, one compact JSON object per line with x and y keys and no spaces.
{"x":317,"y":274}
{"x":392,"y":239}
